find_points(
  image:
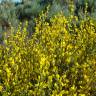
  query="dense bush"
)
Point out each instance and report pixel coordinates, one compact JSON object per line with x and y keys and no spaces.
{"x":59,"y":59}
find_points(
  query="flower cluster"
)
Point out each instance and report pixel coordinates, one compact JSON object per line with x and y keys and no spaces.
{"x":59,"y":59}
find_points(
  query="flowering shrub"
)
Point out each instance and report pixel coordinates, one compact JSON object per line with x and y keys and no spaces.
{"x":59,"y":59}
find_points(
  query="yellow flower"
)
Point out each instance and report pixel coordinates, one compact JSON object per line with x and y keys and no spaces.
{"x":8,"y":72}
{"x":82,"y":95}
{"x":0,"y":71}
{"x":1,"y":87}
{"x":73,"y":87}
{"x":42,"y":60}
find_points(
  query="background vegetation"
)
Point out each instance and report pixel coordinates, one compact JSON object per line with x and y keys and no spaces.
{"x":14,"y":12}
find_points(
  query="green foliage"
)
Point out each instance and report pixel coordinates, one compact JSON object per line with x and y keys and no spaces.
{"x":28,"y":10}
{"x":81,"y":6}
{"x":58,"y":60}
{"x":7,"y":15}
{"x":54,"y":9}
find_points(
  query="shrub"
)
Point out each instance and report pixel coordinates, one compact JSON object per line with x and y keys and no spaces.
{"x":58,"y":60}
